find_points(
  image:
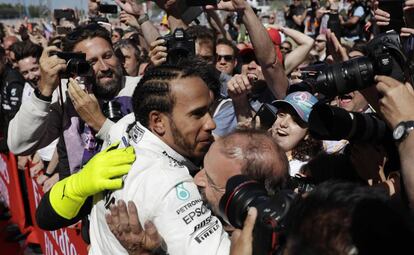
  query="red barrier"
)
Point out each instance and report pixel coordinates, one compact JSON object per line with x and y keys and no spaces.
{"x":11,"y":191}
{"x":65,"y":241}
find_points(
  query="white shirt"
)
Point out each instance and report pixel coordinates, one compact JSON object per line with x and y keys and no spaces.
{"x":161,"y":187}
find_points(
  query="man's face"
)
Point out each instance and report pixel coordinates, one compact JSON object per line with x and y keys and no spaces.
{"x":115,"y":37}
{"x":190,"y":124}
{"x":253,"y":70}
{"x":106,"y":67}
{"x":226,"y":61}
{"x":320,"y":43}
{"x":285,"y":48}
{"x":288,"y":129}
{"x":354,"y":102}
{"x":205,"y":50}
{"x":8,"y":42}
{"x":130,"y":61}
{"x":212,"y":178}
{"x":30,"y":70}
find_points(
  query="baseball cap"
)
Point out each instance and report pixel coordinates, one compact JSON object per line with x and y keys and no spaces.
{"x":247,"y":52}
{"x":301,"y":101}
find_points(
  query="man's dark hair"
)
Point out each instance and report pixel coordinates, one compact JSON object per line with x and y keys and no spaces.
{"x":201,"y":34}
{"x":84,"y":32}
{"x":124,"y":43}
{"x":120,"y":31}
{"x":26,"y":49}
{"x":2,"y":52}
{"x":153,"y":91}
{"x":228,"y":43}
{"x":346,"y":218}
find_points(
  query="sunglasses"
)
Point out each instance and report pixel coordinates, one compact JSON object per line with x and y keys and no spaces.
{"x":226,"y":58}
{"x":248,"y":58}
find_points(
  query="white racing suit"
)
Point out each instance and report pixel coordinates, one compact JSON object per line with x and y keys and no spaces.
{"x":161,"y":187}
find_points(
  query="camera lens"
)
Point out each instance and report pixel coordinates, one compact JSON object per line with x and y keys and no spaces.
{"x":345,"y":77}
{"x":112,"y":110}
{"x":78,"y":67}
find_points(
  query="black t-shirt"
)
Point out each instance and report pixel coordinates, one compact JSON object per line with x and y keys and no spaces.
{"x":11,"y":91}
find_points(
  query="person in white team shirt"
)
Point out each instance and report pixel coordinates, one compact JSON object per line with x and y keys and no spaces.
{"x":172,"y":134}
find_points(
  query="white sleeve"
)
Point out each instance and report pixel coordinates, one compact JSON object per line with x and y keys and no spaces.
{"x":36,"y":125}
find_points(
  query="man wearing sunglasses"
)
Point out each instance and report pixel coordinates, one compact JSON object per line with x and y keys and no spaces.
{"x":226,"y":60}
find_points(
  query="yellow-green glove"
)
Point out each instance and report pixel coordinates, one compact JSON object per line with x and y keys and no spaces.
{"x":102,"y":172}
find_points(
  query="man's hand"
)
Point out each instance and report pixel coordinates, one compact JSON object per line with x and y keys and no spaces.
{"x":50,"y":66}
{"x":131,"y":7}
{"x":242,"y":240}
{"x":238,"y":87}
{"x":397,"y":103}
{"x":128,"y":19}
{"x":231,"y":5}
{"x":334,"y":47}
{"x":125,"y":225}
{"x":48,"y":184}
{"x":158,"y":52}
{"x":86,"y":105}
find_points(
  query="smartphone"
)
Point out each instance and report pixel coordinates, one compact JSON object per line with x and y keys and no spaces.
{"x":200,"y":2}
{"x":395,"y":9}
{"x":409,"y":18}
{"x":61,"y":30}
{"x":68,"y":14}
{"x":108,"y":8}
{"x":267,"y":115}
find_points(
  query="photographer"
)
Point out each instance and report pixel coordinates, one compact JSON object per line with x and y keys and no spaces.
{"x":39,"y":121}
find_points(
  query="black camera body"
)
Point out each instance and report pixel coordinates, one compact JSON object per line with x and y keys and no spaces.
{"x":179,"y":45}
{"x":242,"y":193}
{"x":76,"y":64}
{"x":385,"y":57}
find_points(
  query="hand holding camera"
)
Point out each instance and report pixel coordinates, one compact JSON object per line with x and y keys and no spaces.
{"x":50,"y":67}
{"x":158,"y":52}
{"x":86,"y":105}
{"x":397,"y":102}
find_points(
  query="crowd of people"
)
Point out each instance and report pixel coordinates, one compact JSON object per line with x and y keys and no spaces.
{"x":135,"y":127}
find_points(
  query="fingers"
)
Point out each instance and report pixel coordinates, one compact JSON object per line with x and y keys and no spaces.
{"x":136,"y":227}
{"x":385,"y":83}
{"x":76,"y":93}
{"x":249,"y":222}
{"x":158,"y":52}
{"x":123,"y":217}
{"x":113,"y":219}
{"x":405,"y":31}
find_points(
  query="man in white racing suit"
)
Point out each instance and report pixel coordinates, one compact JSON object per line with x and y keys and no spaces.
{"x":173,"y":130}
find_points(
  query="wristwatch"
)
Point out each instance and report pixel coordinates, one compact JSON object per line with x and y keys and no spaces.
{"x":142,"y":18}
{"x":402,"y":130}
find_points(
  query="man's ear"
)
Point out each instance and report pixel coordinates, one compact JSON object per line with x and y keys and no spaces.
{"x":157,"y":122}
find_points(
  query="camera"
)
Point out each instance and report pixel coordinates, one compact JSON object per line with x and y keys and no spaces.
{"x":68,"y":14}
{"x":179,"y":45}
{"x":334,"y":123}
{"x":242,"y":193}
{"x":385,"y":57}
{"x":76,"y":64}
{"x":112,"y":110}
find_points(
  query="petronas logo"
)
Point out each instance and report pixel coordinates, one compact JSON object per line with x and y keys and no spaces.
{"x":182,"y":193}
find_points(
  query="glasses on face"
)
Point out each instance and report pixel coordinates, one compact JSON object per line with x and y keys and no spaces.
{"x":213,"y":185}
{"x":227,"y":58}
{"x":285,"y":49}
{"x":248,"y":58}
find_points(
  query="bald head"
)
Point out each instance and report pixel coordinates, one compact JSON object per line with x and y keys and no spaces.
{"x":263,"y":160}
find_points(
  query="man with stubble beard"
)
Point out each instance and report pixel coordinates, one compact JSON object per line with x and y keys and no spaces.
{"x":80,"y":121}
